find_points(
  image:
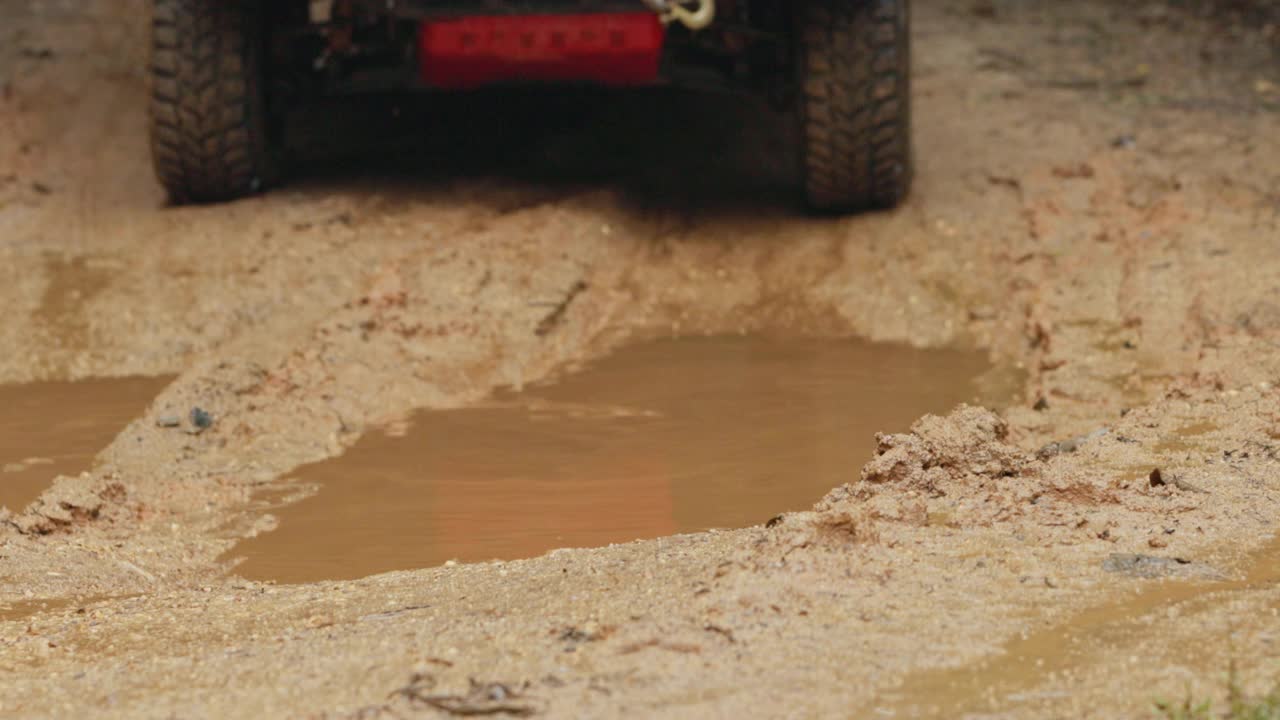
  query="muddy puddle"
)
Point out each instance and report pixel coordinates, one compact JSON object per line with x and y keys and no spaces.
{"x":56,"y":428}
{"x":22,"y":609}
{"x":662,"y":437}
{"x":1028,"y":668}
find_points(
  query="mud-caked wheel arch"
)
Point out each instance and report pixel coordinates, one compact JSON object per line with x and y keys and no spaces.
{"x":853,"y":70}
{"x":209,"y":116}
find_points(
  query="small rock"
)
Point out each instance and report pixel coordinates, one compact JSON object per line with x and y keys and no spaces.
{"x":1151,"y":567}
{"x":319,"y":620}
{"x":984,"y":9}
{"x":1158,"y":479}
{"x":200,"y":419}
{"x":1070,"y":445}
{"x":982,"y":312}
{"x":168,"y":421}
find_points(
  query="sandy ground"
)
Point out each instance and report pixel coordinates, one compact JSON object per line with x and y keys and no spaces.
{"x":1097,"y":204}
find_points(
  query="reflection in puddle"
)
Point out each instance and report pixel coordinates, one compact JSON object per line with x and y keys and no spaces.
{"x":56,"y":428}
{"x":662,"y":437}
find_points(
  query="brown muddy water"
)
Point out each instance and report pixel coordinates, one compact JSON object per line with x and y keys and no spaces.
{"x":49,"y":429}
{"x":661,"y":437}
{"x":22,"y":609}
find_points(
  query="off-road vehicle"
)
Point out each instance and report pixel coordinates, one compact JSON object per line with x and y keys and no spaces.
{"x":225,"y":72}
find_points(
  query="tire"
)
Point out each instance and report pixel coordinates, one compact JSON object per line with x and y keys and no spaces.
{"x":210,"y":137}
{"x":854,"y":67}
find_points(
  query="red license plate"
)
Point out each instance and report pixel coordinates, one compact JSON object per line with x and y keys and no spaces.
{"x":606,"y":48}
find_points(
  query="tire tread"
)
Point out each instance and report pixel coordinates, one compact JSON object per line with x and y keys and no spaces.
{"x":854,"y":69}
{"x":208,"y":124}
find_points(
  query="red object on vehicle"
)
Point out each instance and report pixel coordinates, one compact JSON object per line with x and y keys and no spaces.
{"x":606,"y":48}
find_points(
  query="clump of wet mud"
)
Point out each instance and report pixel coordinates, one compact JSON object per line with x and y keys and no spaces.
{"x":943,"y":461}
{"x":939,"y":451}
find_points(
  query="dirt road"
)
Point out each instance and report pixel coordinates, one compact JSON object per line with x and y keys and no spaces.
{"x":1098,"y":204}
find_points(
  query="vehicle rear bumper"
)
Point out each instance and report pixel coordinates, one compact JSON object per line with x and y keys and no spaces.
{"x":604,"y":48}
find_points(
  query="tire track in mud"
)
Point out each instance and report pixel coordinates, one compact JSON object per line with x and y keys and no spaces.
{"x":61,"y":319}
{"x":1044,"y":664}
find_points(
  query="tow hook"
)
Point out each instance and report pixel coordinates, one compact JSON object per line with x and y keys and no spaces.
{"x":693,"y":14}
